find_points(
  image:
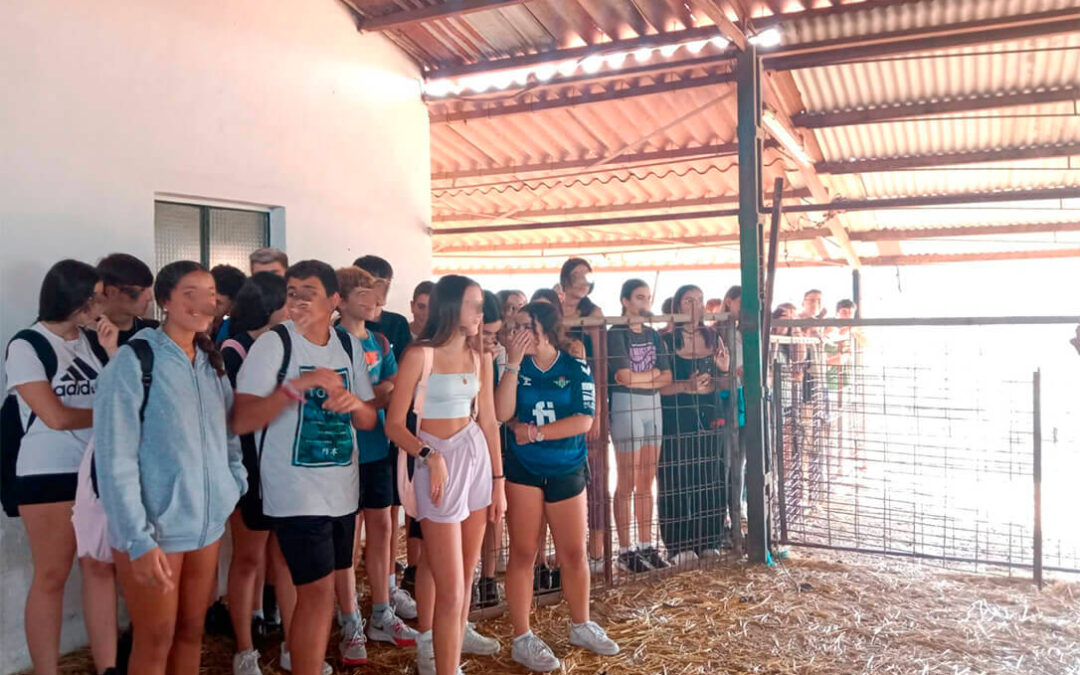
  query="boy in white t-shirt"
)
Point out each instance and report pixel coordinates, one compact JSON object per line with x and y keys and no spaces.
{"x":310,"y":481}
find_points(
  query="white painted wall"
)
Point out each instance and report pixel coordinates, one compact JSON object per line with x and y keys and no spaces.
{"x":274,"y":102}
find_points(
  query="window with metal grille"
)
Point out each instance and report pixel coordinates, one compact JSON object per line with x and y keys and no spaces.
{"x":212,"y":235}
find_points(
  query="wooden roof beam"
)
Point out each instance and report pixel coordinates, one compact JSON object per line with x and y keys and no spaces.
{"x":443,"y":10}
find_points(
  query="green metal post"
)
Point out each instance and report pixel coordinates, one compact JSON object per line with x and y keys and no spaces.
{"x":748,"y":83}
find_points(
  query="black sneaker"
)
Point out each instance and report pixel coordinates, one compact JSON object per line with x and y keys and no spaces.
{"x":487,"y":593}
{"x":271,"y":612}
{"x":633,"y":561}
{"x":123,"y":651}
{"x":218,"y":621}
{"x":259,"y":631}
{"x":652,"y":556}
{"x":408,"y":580}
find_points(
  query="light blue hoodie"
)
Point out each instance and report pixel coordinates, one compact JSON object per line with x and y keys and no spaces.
{"x":173,"y":482}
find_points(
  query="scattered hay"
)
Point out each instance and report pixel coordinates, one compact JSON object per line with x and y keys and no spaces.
{"x":820,"y":614}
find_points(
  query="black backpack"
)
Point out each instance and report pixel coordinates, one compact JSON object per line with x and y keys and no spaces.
{"x":11,"y":428}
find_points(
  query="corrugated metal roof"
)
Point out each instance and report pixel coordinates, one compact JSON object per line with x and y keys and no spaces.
{"x":652,"y":192}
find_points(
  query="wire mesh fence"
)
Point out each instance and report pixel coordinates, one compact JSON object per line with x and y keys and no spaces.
{"x":915,"y":441}
{"x":921,"y":441}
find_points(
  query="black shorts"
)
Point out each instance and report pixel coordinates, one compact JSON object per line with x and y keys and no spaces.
{"x":555,"y":488}
{"x":251,"y":507}
{"x":46,"y":488}
{"x":315,"y":546}
{"x":378,"y":483}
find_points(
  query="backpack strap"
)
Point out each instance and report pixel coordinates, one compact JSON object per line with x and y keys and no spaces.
{"x":384,"y":344}
{"x":421,"y":386}
{"x":346,"y":342}
{"x":283,"y":370}
{"x":235,"y":345}
{"x":45,"y":353}
{"x":145,"y":354}
{"x":95,"y":346}
{"x":474,"y":407}
{"x":286,"y":356}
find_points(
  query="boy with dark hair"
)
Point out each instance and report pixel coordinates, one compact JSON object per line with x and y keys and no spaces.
{"x":304,"y":390}
{"x":395,"y":328}
{"x":228,"y":280}
{"x":391,"y":324}
{"x":128,"y":289}
{"x":421,"y":296}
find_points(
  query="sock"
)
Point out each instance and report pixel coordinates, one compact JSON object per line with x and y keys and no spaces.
{"x":346,"y":619}
{"x":645,"y":545}
{"x":393,"y":581}
{"x":625,"y":549}
{"x":379,"y":612}
{"x":258,"y":614}
{"x":523,"y":635}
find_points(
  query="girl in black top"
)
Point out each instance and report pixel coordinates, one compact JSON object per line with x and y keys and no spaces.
{"x":690,"y":479}
{"x":259,"y":306}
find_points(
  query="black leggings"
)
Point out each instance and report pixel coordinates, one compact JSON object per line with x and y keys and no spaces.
{"x":691,"y":484}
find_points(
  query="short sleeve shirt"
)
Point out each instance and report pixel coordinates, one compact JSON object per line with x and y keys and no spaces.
{"x":308,"y":461}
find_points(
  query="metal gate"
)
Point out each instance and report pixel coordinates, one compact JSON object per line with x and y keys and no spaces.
{"x":925,"y":441}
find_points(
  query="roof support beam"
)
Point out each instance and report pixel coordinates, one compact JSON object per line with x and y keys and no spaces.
{"x":889,"y":261}
{"x":1041,"y":194}
{"x":577,"y":53}
{"x":723,"y":23}
{"x":877,"y":164}
{"x":781,"y":90}
{"x":927,"y":38}
{"x":443,"y":10}
{"x":611,"y":92}
{"x":677,"y":154}
{"x":901,"y":110}
{"x":888,"y":235}
{"x":665,"y":205}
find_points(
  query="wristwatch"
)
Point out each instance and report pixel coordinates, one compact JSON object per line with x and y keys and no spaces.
{"x":424,"y":455}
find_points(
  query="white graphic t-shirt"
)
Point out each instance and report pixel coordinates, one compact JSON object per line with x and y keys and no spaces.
{"x":309,"y":464}
{"x":44,"y":450}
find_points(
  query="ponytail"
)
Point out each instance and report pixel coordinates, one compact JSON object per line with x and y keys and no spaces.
{"x":213,"y":354}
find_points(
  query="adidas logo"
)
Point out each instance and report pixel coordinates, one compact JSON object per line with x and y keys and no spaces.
{"x":77,"y":381}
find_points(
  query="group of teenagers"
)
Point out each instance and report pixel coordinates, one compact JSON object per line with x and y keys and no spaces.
{"x":288,"y":406}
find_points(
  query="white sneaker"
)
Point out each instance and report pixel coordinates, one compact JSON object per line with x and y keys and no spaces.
{"x":475,"y":643}
{"x":246,"y":663}
{"x":353,"y":645}
{"x":425,"y":654}
{"x":533,"y":653}
{"x":596,"y":565}
{"x":402,"y":603}
{"x":684,"y":558}
{"x":392,"y":630}
{"x":592,"y":637}
{"x":285,"y":662}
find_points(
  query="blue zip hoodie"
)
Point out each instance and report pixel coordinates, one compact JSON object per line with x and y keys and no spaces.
{"x":173,"y":482}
